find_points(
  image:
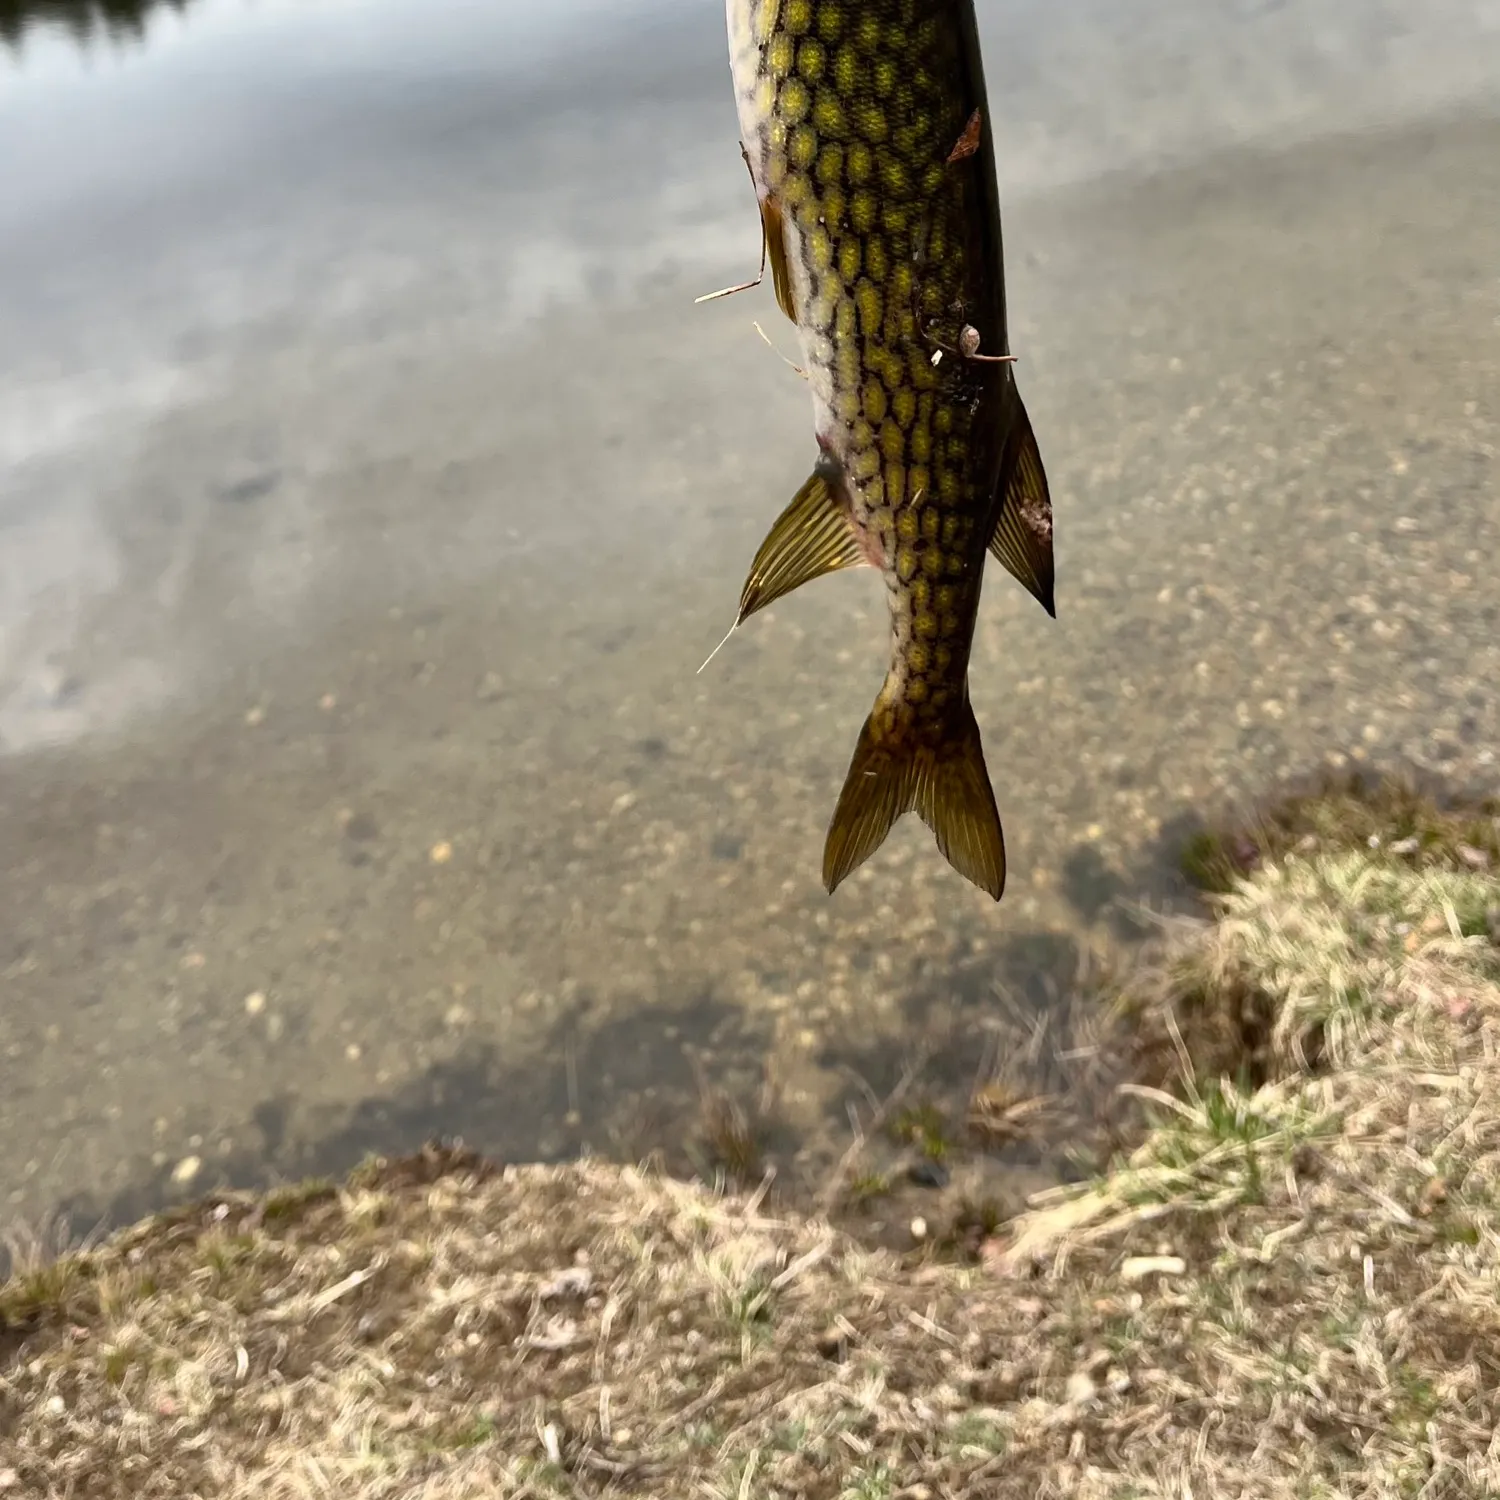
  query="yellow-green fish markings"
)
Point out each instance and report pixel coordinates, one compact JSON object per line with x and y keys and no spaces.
{"x":865,"y":126}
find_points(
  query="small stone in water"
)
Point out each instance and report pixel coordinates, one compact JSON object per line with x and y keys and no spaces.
{"x":928,"y":1173}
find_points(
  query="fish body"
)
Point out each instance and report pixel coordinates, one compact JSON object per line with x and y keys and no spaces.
{"x":865,"y":126}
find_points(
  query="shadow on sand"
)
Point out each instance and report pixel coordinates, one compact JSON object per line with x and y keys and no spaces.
{"x":625,"y":1087}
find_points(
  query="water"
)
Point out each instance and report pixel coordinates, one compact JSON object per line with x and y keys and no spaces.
{"x":370,"y":487}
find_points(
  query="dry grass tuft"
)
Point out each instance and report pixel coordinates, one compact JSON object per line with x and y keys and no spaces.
{"x":730,"y":1142}
{"x":1290,"y":1288}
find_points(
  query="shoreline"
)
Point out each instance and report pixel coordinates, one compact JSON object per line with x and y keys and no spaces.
{"x":1310,"y":1247}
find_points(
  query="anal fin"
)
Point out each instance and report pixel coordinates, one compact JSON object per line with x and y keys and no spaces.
{"x":1022,"y":538}
{"x":781,"y":273}
{"x":813,"y":536}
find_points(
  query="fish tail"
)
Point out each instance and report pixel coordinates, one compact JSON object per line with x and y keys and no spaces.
{"x":940,"y":775}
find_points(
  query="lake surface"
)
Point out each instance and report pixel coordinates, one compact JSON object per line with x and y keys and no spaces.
{"x":371,"y":490}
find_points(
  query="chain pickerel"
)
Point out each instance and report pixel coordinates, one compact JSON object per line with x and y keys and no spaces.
{"x":866,"y":129}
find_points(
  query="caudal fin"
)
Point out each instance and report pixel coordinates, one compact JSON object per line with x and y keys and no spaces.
{"x":941,"y":777}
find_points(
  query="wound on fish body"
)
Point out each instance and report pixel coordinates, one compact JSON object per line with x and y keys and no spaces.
{"x":878,"y":228}
{"x":968,"y":142}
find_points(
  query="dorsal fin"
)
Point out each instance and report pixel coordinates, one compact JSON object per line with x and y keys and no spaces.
{"x":1022,"y":538}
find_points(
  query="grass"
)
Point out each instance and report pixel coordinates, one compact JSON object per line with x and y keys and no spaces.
{"x":922,"y":1127}
{"x":731,"y":1139}
{"x":868,"y":1187}
{"x":1391,"y":817}
{"x":1287,"y":1286}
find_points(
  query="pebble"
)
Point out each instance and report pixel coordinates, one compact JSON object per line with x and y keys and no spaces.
{"x":1138,"y":1267}
{"x":576,"y":1281}
{"x":187,"y":1169}
{"x":255,"y":1002}
{"x":928,"y":1173}
{"x":919,"y":1228}
{"x":441,"y":852}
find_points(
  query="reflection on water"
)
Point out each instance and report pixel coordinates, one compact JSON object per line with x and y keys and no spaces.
{"x":371,"y":488}
{"x":83,"y":18}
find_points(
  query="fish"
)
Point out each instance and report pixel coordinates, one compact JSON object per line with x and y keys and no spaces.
{"x":866,"y":128}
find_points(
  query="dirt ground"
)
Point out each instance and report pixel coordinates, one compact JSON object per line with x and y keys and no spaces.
{"x":1285,"y":1284}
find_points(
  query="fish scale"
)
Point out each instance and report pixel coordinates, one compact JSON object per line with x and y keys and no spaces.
{"x":865,"y":129}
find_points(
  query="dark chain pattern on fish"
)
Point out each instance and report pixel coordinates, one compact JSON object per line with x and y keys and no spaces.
{"x":863,"y":117}
{"x":863,"y":123}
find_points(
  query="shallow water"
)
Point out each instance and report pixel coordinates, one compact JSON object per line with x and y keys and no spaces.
{"x":370,"y":487}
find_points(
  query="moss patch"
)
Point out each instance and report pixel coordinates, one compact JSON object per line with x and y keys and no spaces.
{"x":1392,"y":818}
